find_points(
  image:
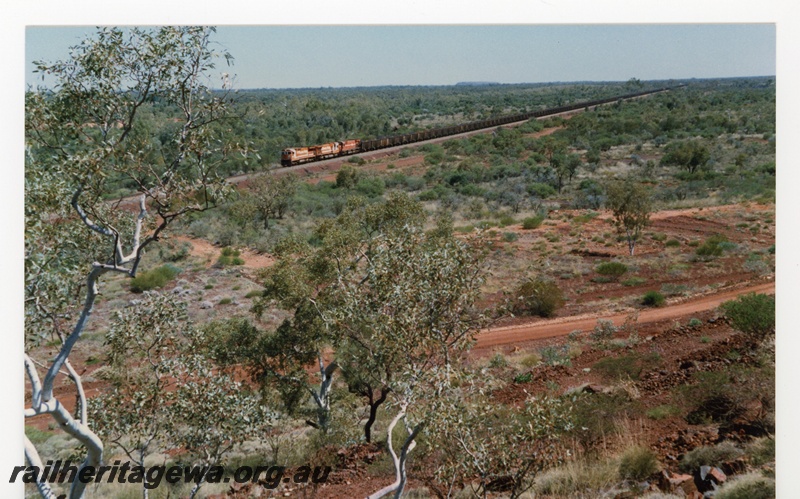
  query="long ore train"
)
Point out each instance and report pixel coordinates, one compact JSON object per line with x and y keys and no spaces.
{"x":297,"y":155}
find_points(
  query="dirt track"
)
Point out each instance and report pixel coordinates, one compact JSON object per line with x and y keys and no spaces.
{"x":564,"y":325}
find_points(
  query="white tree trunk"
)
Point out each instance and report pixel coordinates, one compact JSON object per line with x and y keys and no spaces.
{"x":399,"y":461}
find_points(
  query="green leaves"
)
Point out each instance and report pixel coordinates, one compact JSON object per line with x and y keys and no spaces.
{"x":630,"y":204}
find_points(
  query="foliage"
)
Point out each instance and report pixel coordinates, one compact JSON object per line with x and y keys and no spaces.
{"x":613,"y":269}
{"x":714,"y":455}
{"x":88,"y":135}
{"x":537,"y":297}
{"x":555,"y":356}
{"x":761,"y":451}
{"x":637,"y":463}
{"x":532,"y":222}
{"x":603,"y":331}
{"x":724,"y":397}
{"x":267,"y":197}
{"x":662,"y":412}
{"x":653,"y":299}
{"x":594,"y":416}
{"x":711,"y":247}
{"x":153,"y":279}
{"x":626,"y":366}
{"x":579,"y":478}
{"x":749,"y":486}
{"x":634,"y":281}
{"x":347,"y":177}
{"x":496,"y":445}
{"x":690,"y":155}
{"x":165,"y":395}
{"x":752,"y":314}
{"x":630,"y":205}
{"x":498,"y":360}
{"x":229,"y":256}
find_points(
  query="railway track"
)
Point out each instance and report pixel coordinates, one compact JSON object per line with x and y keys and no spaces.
{"x":388,"y":150}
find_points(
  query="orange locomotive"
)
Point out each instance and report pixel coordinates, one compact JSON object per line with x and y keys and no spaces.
{"x":297,"y":155}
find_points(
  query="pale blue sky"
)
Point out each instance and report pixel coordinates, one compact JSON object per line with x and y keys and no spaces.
{"x":345,"y":56}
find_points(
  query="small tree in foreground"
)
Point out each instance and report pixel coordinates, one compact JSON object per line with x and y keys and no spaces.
{"x":501,"y":446}
{"x":165,"y":395}
{"x":630,"y":205}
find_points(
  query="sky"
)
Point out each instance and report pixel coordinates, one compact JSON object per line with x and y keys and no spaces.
{"x":349,"y":55}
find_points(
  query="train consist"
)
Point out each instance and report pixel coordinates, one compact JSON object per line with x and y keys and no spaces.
{"x":297,"y":155}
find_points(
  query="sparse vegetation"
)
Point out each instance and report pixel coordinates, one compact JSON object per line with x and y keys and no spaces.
{"x":360,"y":267}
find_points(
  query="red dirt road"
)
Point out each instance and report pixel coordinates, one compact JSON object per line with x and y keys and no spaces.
{"x":562,"y":326}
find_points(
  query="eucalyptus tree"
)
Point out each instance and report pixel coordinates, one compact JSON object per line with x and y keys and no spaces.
{"x":83,"y":134}
{"x":382,"y":300}
{"x":301,"y":282}
{"x":630,"y":204}
{"x":165,"y":394}
{"x":499,"y":445}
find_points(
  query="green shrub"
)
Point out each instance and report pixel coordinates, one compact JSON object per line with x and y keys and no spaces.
{"x":603,"y":331}
{"x":541,"y":190}
{"x":662,"y":412}
{"x":586,"y":217}
{"x":555,"y":356}
{"x":595,"y":416}
{"x":254,"y":294}
{"x":695,"y":322}
{"x":357,"y":160}
{"x":634,"y":281}
{"x":637,"y":463}
{"x":510,"y":237}
{"x":761,"y":451}
{"x":672,"y":243}
{"x":225,"y":301}
{"x":750,"y":486}
{"x":612,"y":269}
{"x":523,"y":378}
{"x":713,"y":455}
{"x":229,"y":256}
{"x":530,"y":360}
{"x":659,"y":236}
{"x":653,"y":299}
{"x":174,"y":253}
{"x":753,"y":314}
{"x":532,"y":222}
{"x":507,"y":220}
{"x":37,"y":436}
{"x":153,"y":279}
{"x":713,"y":246}
{"x":371,"y":187}
{"x":347,"y":176}
{"x":498,"y":360}
{"x":626,"y":366}
{"x":537,"y":297}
